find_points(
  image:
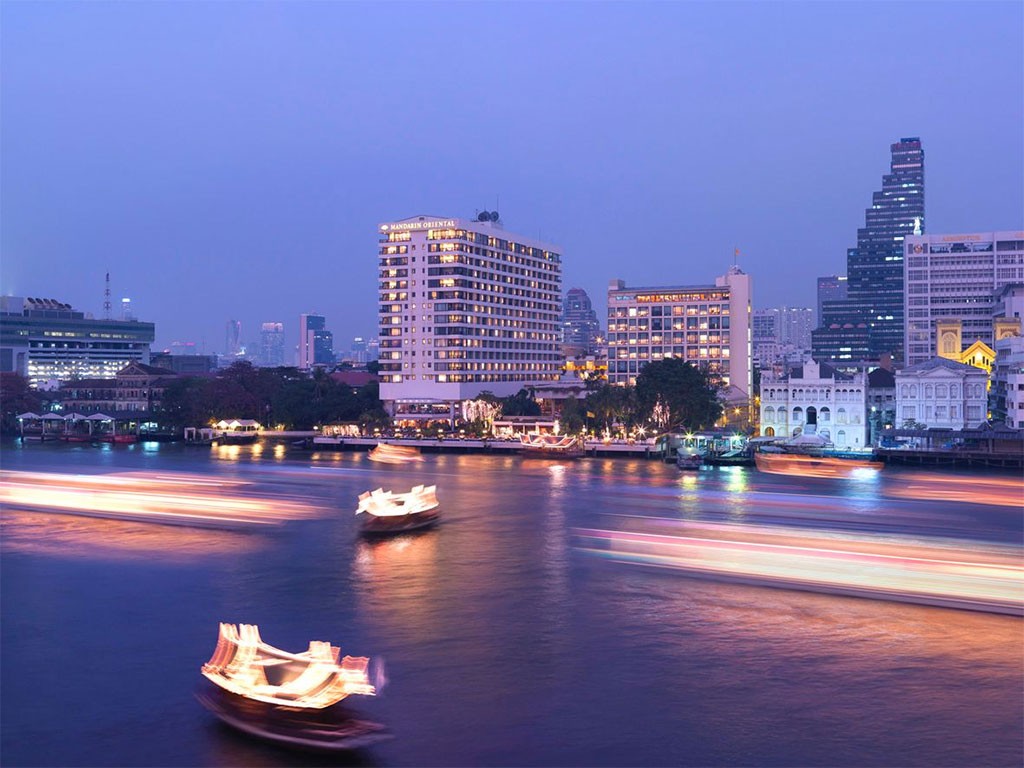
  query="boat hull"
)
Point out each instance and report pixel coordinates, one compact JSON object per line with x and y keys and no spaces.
{"x":384,"y":525}
{"x":332,"y":729}
{"x":812,"y":466}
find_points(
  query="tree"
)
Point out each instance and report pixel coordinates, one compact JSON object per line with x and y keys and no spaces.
{"x":522,"y":403}
{"x":571,"y":419}
{"x":16,"y":397}
{"x":673,"y":393}
{"x":612,"y":404}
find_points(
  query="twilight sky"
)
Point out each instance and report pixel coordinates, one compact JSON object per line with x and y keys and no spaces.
{"x":232,"y":160}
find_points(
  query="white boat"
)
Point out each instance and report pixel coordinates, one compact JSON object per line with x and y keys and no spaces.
{"x":388,"y":512}
{"x":289,"y":698}
{"x":386,"y":453}
{"x":553,"y":446}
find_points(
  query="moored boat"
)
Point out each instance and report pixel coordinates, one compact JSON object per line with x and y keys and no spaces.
{"x":288,"y":698}
{"x":387,"y":512}
{"x":689,"y":461}
{"x":550,"y":446}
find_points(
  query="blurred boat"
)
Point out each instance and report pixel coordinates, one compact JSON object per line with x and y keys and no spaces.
{"x":689,"y":461}
{"x":386,"y":453}
{"x":288,"y":698}
{"x":550,"y":446}
{"x":813,"y":466}
{"x":388,"y":512}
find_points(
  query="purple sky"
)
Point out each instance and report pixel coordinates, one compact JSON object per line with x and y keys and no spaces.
{"x":232,"y":160}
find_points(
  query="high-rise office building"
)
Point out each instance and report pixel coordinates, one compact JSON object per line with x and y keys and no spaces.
{"x":830,"y":288}
{"x":316,"y":343}
{"x":272,"y":344}
{"x":706,"y":325}
{"x":357,"y":352}
{"x":49,"y":341}
{"x":233,"y":339}
{"x":870,"y":322}
{"x":782,"y":333}
{"x":957,"y":277}
{"x":580,"y":327}
{"x":464,"y":307}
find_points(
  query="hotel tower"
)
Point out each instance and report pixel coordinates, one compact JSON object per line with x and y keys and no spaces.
{"x":465,"y":307}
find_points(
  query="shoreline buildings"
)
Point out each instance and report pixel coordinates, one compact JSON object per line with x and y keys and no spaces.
{"x":465,"y":307}
{"x":705,"y":325}
{"x":48,"y":341}
{"x":869,"y":323}
{"x":957,"y":278}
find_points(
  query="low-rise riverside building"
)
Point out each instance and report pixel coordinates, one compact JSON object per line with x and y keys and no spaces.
{"x":50,"y":342}
{"x":815,"y":398}
{"x":942,"y":394}
{"x":708,"y":326}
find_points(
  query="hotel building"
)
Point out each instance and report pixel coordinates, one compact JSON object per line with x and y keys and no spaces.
{"x":706,"y":325}
{"x":464,"y":307}
{"x":957,"y":278}
{"x":48,"y":342}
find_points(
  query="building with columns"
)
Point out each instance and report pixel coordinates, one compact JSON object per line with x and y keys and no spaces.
{"x":815,"y":398}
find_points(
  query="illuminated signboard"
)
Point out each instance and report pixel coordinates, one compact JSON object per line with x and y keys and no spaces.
{"x":407,"y":225}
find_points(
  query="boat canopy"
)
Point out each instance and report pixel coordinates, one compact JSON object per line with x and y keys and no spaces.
{"x":245,"y":665}
{"x":383,"y":503}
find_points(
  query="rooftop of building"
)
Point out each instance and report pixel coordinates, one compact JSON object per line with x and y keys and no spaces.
{"x":937,"y":363}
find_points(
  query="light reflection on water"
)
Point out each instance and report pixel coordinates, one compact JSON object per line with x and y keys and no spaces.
{"x":503,"y":644}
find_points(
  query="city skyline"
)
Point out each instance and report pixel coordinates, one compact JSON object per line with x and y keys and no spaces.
{"x":227,"y":162}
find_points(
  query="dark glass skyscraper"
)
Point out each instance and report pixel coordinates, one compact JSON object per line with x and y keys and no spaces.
{"x":869,"y":323}
{"x":580,"y":327}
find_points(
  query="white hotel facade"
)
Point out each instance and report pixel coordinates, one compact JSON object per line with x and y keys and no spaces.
{"x":705,"y":325}
{"x":956,"y":277}
{"x":464,"y":307}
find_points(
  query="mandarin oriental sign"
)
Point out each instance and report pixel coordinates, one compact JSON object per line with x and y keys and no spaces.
{"x":401,"y":226}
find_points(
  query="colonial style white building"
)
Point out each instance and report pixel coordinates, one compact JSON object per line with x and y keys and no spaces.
{"x":941,"y":393}
{"x":815,"y":398}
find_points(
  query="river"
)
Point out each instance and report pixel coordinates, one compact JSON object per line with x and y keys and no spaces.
{"x":506,"y":639}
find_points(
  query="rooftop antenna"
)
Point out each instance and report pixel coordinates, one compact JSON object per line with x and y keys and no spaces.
{"x":106,"y":299}
{"x":735,"y":255}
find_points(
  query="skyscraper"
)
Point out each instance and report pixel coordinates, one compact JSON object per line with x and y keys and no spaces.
{"x":272,"y":344}
{"x":869,"y":323}
{"x":580,"y":327}
{"x":316,"y":343}
{"x":464,"y":307}
{"x":830,"y":288}
{"x":233,"y":339}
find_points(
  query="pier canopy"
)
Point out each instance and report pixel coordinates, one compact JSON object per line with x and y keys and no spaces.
{"x":245,"y":665}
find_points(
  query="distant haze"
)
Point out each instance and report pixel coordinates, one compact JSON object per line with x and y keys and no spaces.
{"x":232,"y":160}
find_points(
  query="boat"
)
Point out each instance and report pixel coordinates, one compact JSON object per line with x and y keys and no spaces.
{"x":292,"y":699}
{"x":237,"y":432}
{"x":808,"y":465}
{"x":387,"y":453}
{"x":388,"y":512}
{"x":550,"y":446}
{"x":689,"y":461}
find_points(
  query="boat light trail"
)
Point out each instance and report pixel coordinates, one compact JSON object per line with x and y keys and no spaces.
{"x":975,"y":577}
{"x":183,"y":499}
